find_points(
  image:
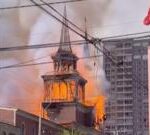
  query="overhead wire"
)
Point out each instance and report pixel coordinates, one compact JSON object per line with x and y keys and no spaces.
{"x":39,"y":5}
{"x":80,"y":29}
{"x":26,"y":62}
{"x":101,"y":39}
{"x":127,"y":35}
{"x":38,"y":46}
{"x":29,"y":5}
{"x":41,"y":63}
{"x":73,"y":43}
{"x":93,"y":41}
{"x":85,"y":37}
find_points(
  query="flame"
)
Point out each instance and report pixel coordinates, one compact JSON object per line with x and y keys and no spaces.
{"x":62,"y":92}
{"x":94,"y":95}
{"x":98,"y":103}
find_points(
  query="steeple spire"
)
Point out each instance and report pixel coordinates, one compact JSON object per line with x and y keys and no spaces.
{"x":65,"y":44}
{"x":64,"y":59}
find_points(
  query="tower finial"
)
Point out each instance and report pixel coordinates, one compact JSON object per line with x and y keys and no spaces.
{"x":65,"y":44}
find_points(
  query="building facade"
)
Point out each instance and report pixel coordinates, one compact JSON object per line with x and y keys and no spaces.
{"x":7,"y":129}
{"x":29,"y":123}
{"x":127,"y":105}
{"x":149,"y":83}
{"x":19,"y":122}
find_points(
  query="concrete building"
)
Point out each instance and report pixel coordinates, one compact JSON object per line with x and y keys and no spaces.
{"x":127,"y":105}
{"x":149,"y":83}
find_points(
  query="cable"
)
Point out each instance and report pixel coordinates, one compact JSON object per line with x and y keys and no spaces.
{"x":52,"y":3}
{"x":37,"y":46}
{"x":125,"y":35}
{"x":93,"y":41}
{"x":48,"y":45}
{"x":26,"y":62}
{"x":41,"y":63}
{"x":56,"y":18}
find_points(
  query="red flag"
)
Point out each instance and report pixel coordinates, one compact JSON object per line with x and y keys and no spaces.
{"x":147,"y":18}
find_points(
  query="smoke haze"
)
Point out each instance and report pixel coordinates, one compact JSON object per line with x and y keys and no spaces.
{"x":22,"y":87}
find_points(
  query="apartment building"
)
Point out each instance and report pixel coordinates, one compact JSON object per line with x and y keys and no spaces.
{"x":127,"y":104}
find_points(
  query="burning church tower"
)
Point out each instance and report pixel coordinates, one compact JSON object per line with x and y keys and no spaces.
{"x":65,"y":89}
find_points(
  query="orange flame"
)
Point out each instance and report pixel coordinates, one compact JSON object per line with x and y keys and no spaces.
{"x":61,"y":91}
{"x":98,"y":103}
{"x":94,"y":95}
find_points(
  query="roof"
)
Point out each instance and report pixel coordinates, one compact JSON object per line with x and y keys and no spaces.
{"x":58,"y":76}
{"x":65,"y":44}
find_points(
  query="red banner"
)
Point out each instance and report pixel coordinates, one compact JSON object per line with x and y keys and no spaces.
{"x":147,"y":18}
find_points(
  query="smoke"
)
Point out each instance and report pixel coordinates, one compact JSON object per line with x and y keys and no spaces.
{"x":18,"y":86}
{"x":93,"y":10}
{"x":22,"y":87}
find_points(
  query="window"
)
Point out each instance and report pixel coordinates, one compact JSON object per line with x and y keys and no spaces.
{"x":33,"y":131}
{"x":144,"y":57}
{"x":128,"y":58}
{"x":3,"y":133}
{"x":137,"y":56}
{"x":137,"y":44}
{"x":128,"y":102}
{"x":23,"y":129}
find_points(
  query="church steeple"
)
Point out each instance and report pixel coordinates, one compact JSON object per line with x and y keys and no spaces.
{"x":65,"y":44}
{"x":64,"y":59}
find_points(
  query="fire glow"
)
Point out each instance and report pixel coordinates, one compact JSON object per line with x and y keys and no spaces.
{"x":98,"y":103}
{"x":61,"y":92}
{"x":94,"y":96}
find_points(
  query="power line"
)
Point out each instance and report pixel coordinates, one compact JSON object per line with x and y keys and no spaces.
{"x":38,"y":46}
{"x":126,"y":35}
{"x":29,"y":61}
{"x":42,"y":63}
{"x":59,"y":20}
{"x":93,"y":41}
{"x":52,"y":3}
{"x":73,"y":43}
